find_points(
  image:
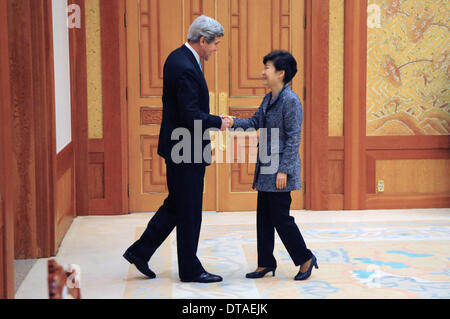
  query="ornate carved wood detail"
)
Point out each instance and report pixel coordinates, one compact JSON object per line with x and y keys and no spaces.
{"x":151,"y":116}
{"x":242,"y":112}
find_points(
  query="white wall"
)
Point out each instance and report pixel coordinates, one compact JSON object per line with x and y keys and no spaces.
{"x":62,"y":74}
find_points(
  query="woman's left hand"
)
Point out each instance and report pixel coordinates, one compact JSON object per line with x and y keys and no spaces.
{"x":281,"y":180}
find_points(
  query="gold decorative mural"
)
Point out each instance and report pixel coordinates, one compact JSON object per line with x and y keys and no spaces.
{"x":408,"y":68}
{"x":94,"y":69}
{"x":336,"y":73}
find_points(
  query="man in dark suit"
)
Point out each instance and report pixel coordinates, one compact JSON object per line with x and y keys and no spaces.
{"x":185,"y":111}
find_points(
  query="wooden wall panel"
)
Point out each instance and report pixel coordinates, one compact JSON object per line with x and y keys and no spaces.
{"x":335,"y":173}
{"x":414,"y":176}
{"x":414,"y":169}
{"x":153,"y":166}
{"x":65,"y":192}
{"x":336,"y":176}
{"x":32,"y":90}
{"x":6,"y":166}
{"x":96,"y":168}
{"x":21,"y":93}
{"x":242,"y":168}
{"x":160,"y":25}
{"x":161,"y":37}
{"x":268,"y":17}
{"x":97,"y":176}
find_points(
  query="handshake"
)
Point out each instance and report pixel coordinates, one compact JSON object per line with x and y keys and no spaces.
{"x":227,"y":122}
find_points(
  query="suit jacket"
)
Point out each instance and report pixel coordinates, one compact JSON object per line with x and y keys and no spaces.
{"x":185,"y":99}
{"x":286,"y":114}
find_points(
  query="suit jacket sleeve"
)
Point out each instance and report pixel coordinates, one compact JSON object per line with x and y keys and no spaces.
{"x":188,"y":102}
{"x":292,"y":118}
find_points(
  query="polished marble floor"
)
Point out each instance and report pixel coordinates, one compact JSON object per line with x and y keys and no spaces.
{"x":361,"y":254}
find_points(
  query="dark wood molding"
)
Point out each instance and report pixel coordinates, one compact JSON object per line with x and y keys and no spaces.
{"x":6,"y":167}
{"x":355,"y":70}
{"x":78,"y":93}
{"x":407,"y":142}
{"x":409,"y":154}
{"x":316,"y":104}
{"x":407,"y":201}
{"x":242,"y":112}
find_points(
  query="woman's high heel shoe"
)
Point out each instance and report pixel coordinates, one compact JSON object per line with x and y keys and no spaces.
{"x":305,"y":275}
{"x":260,"y":274}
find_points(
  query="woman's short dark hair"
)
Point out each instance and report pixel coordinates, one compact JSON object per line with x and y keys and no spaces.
{"x":283,"y":61}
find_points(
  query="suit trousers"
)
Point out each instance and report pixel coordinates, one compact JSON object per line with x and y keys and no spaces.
{"x":273,"y":213}
{"x":182,"y":208}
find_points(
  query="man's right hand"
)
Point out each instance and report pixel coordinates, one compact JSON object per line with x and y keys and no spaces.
{"x":227,"y":122}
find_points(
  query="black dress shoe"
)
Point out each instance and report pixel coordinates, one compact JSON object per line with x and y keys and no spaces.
{"x":260,"y":274}
{"x":140,"y":264}
{"x":307,"y":274}
{"x":204,"y":277}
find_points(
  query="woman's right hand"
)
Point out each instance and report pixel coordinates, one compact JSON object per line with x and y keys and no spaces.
{"x":281,"y":180}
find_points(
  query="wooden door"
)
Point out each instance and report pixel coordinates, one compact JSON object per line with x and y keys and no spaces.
{"x":253,"y":28}
{"x":154,"y":29}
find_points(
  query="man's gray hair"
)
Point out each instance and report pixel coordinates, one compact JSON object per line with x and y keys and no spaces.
{"x":206,"y":27}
